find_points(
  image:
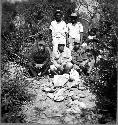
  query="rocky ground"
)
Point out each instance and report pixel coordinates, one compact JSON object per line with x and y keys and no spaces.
{"x":58,"y":104}
{"x":64,"y":99}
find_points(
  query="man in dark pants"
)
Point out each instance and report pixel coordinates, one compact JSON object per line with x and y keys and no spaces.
{"x":38,"y":59}
{"x":79,"y":57}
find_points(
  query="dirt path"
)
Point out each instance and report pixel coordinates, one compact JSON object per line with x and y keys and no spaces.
{"x":44,"y":110}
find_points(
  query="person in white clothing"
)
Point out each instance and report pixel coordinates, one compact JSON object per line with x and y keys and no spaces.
{"x":75,"y":31}
{"x":58,"y":30}
{"x":61,"y":60}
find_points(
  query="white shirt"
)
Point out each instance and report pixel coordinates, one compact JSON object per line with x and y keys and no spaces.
{"x":75,"y":30}
{"x":63,"y":57}
{"x":91,"y":37}
{"x":58,"y":28}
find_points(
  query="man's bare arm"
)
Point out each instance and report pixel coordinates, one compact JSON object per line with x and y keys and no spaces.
{"x":81,"y":37}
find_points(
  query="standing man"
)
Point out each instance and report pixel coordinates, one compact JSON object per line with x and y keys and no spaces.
{"x":58,"y":30}
{"x":75,"y":31}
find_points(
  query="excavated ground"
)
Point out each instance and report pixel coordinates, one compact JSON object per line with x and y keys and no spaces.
{"x":69,"y":109}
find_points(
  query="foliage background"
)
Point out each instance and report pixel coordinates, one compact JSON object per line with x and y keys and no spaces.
{"x":23,"y":19}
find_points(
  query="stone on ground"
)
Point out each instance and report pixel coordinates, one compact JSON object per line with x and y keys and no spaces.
{"x":58,"y":106}
{"x":60,"y":80}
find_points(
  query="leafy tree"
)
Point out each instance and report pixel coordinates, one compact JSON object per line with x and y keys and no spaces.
{"x":104,"y":83}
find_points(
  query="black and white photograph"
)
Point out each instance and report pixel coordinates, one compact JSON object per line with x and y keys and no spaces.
{"x":59,"y":61}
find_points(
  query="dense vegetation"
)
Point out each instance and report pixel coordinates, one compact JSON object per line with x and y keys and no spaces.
{"x":34,"y":18}
{"x":104,"y":83}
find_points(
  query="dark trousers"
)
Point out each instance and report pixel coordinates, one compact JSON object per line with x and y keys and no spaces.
{"x":33,"y":71}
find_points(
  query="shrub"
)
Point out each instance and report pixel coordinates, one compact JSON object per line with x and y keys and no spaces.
{"x":13,"y":95}
{"x":104,"y":82}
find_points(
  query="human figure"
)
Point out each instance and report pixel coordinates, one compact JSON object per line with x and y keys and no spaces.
{"x":89,"y":63}
{"x":75,"y":31}
{"x":58,"y":30}
{"x":38,"y":59}
{"x":92,"y":33}
{"x":78,"y":56}
{"x":83,"y":60}
{"x":91,"y":40}
{"x":61,"y":60}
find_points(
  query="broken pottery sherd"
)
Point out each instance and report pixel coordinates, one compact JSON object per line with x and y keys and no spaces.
{"x":60,"y":80}
{"x":81,"y":95}
{"x":59,"y":98}
{"x":50,"y":95}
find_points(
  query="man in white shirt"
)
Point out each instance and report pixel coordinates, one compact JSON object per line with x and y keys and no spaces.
{"x":58,"y":29}
{"x":75,"y":31}
{"x":61,"y":60}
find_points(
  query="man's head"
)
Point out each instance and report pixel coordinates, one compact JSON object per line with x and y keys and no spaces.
{"x":73,"y":18}
{"x":41,"y":46}
{"x":76,"y":46}
{"x":93,"y":32}
{"x":89,"y":53}
{"x":61,"y":47}
{"x":58,"y":15}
